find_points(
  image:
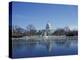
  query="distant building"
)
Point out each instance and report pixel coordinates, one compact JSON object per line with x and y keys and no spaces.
{"x":67,"y":29}
{"x":48,"y":29}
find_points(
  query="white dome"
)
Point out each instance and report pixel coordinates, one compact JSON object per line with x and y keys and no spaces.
{"x":48,"y":26}
{"x":67,"y":28}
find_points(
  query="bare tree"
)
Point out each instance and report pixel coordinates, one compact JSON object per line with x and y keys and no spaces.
{"x":31,"y":30}
{"x":17,"y":31}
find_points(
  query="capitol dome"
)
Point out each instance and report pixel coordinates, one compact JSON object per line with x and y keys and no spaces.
{"x":48,"y":29}
{"x":48,"y":26}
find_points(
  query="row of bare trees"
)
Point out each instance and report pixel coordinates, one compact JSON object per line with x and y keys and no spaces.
{"x":18,"y":31}
{"x":30,"y":30}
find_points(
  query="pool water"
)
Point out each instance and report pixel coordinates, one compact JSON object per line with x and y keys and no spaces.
{"x":27,"y":48}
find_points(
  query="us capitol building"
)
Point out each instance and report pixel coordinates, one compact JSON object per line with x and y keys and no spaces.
{"x":49,"y":29}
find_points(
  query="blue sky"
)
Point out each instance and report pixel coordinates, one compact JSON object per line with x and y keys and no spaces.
{"x":59,"y":16}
